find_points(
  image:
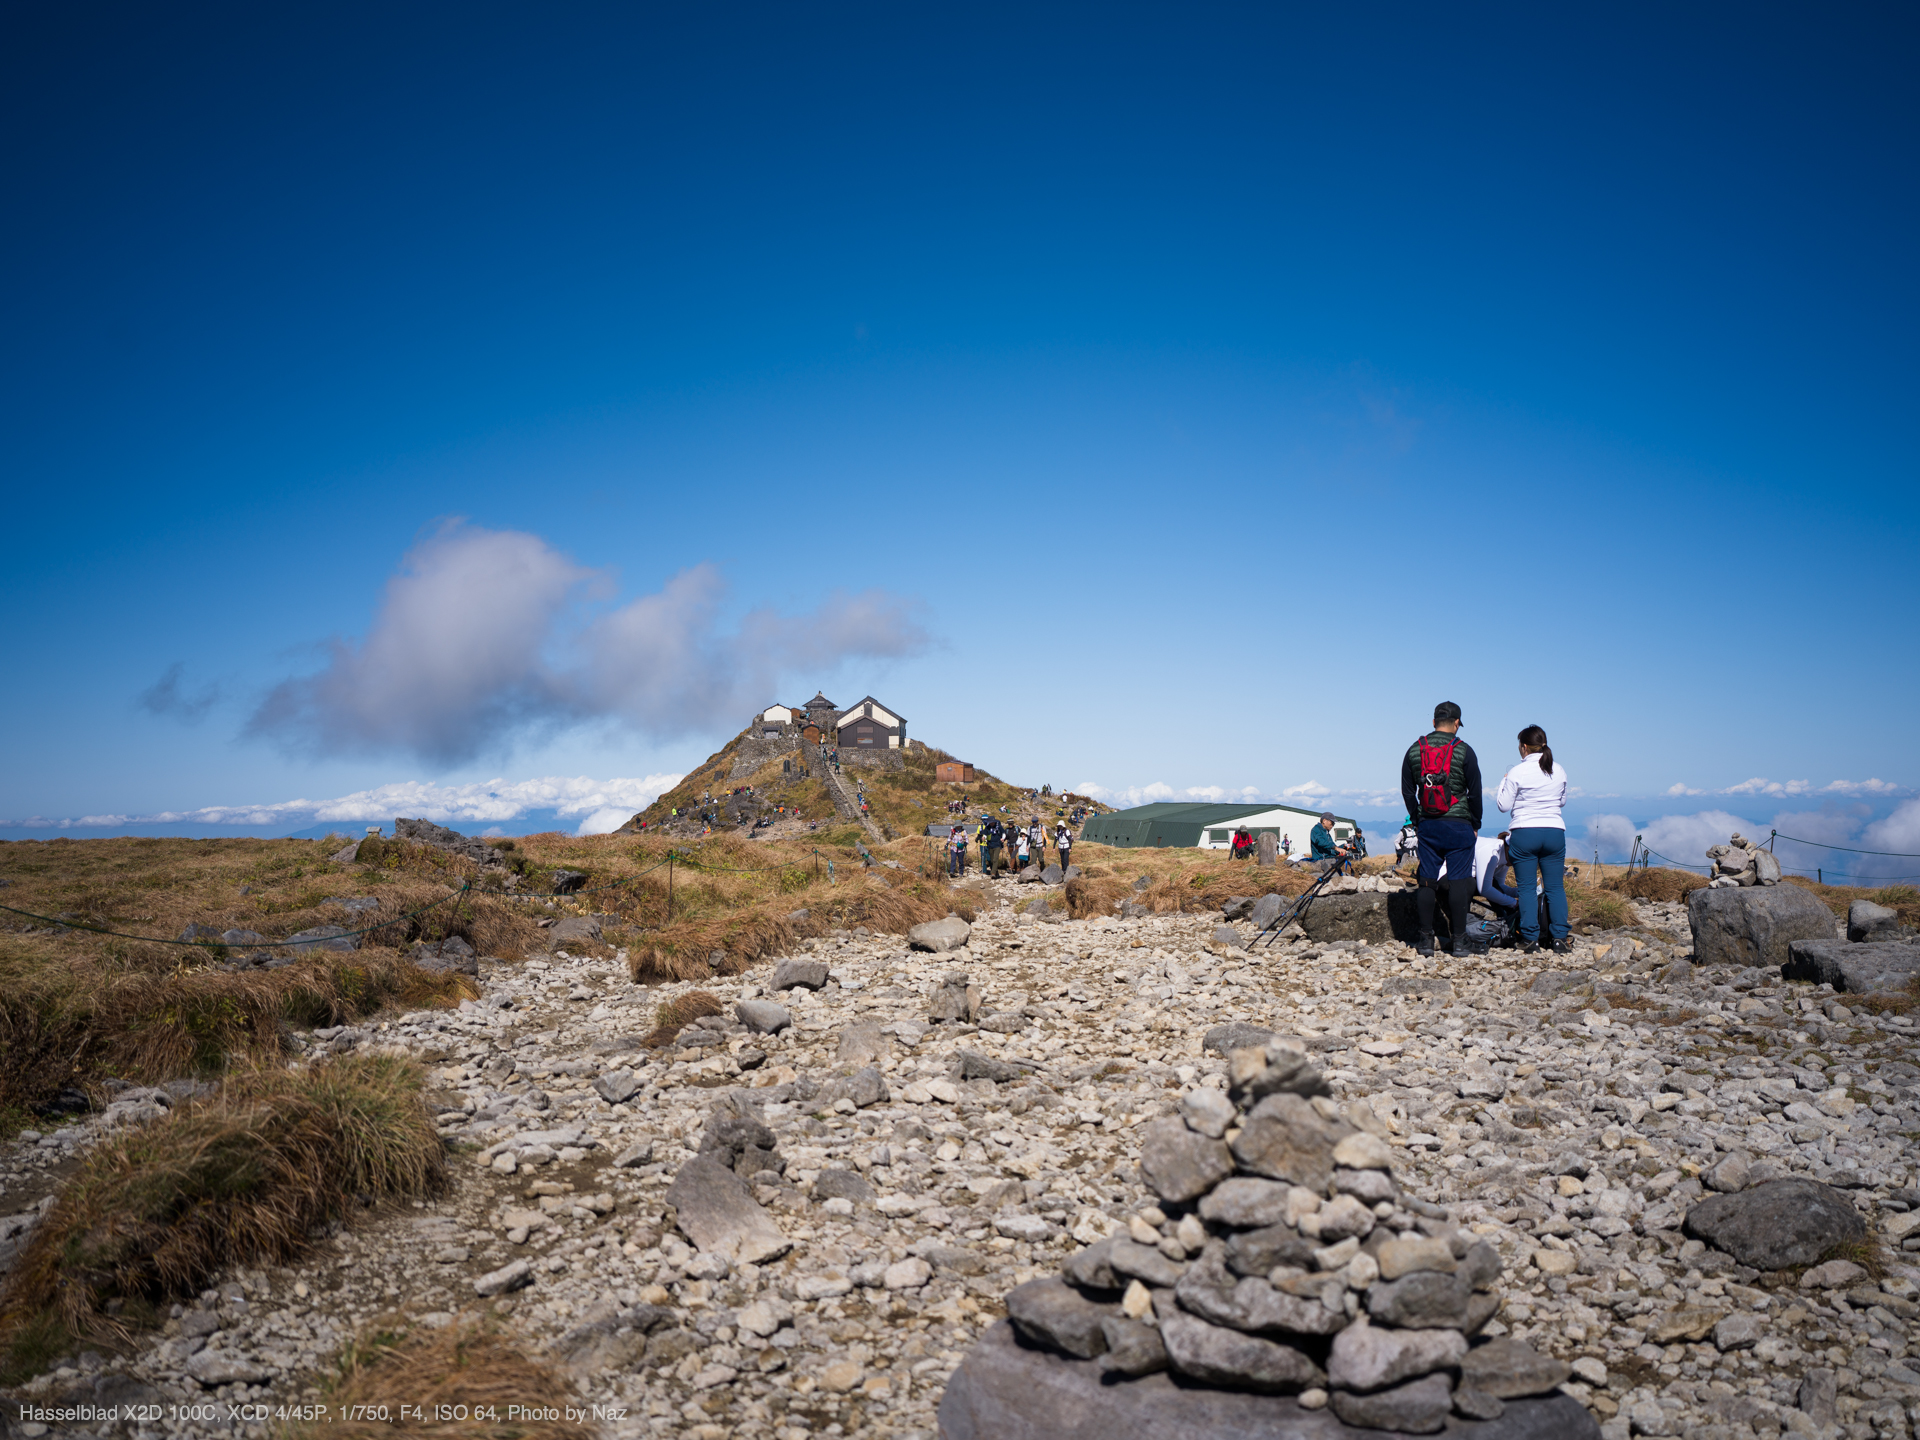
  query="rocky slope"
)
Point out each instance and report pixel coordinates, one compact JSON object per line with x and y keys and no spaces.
{"x":867,"y":1183}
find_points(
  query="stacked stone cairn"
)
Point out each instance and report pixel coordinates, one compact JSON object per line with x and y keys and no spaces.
{"x":1742,"y":862}
{"x":1281,"y":1258}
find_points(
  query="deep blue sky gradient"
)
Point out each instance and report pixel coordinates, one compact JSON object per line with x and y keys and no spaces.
{"x":1228,"y":383}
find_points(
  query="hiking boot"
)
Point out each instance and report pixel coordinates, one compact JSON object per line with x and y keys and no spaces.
{"x":1529,"y":947}
{"x":1423,"y":944}
{"x":1462,"y":948}
{"x":1563,"y":946}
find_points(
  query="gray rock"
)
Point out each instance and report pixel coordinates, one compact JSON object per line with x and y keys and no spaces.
{"x":1211,"y":1113}
{"x":565,"y":882}
{"x":1729,"y":1174}
{"x":1246,"y":1202}
{"x":1072,"y":872}
{"x":1266,"y":910}
{"x":1052,"y":875}
{"x":1739,"y":1331}
{"x":516,"y":1276}
{"x":717,"y":1212}
{"x":321,"y":937}
{"x":1218,"y":1355}
{"x":1369,"y":1357}
{"x":956,"y":998}
{"x":1766,"y":869}
{"x":1256,"y":1252}
{"x":1236,"y":1035}
{"x":1249,"y":1303}
{"x":1132,"y":1348}
{"x":242,"y":937}
{"x":1285,"y":1068}
{"x":1178,"y":1165}
{"x":1777,"y":1224}
{"x":1088,"y":1268}
{"x":1285,"y":1138}
{"x":1884,"y":967}
{"x":1426,"y":986}
{"x":763,"y":1017}
{"x":940,"y":936}
{"x":1476,"y":1405}
{"x":1419,"y":1407}
{"x":799,"y":974}
{"x":1238,"y":907}
{"x":214,"y":1368}
{"x":739,"y":1139}
{"x":1866,"y":922}
{"x":1006,"y":1390}
{"x":1756,"y":925}
{"x":574,"y":928}
{"x":1425,"y":1300}
{"x":617,"y":1086}
{"x":1372,"y":1186}
{"x":975,"y":1066}
{"x":1480,"y":1266}
{"x":451,"y":956}
{"x":842,"y":1185}
{"x":1509,"y":1369}
{"x":1373,"y":918}
{"x":866,"y":1086}
{"x":1818,"y":1396}
{"x":1029,"y":876}
{"x":1128,"y":1259}
{"x":425,"y":832}
{"x":1551,"y":984}
{"x":1051,"y":1312}
{"x":862,"y":1042}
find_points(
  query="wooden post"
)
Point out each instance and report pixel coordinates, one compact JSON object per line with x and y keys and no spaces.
{"x":669,"y":887}
{"x":1269,"y":849}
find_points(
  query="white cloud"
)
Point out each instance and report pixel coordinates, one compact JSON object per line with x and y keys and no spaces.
{"x":496,"y":801}
{"x":1677,"y":788}
{"x":1863,"y":787}
{"x":606,"y":821}
{"x":1760,"y":785}
{"x":1312,"y":790}
{"x":1900,"y":832}
{"x":488,"y":633}
{"x":1611,"y":835}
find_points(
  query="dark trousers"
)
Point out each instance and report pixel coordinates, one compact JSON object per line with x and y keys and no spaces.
{"x":1448,"y":843}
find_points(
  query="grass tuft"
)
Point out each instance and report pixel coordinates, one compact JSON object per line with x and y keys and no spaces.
{"x":460,"y":1383}
{"x":678,"y":1013}
{"x":243,"y":1176}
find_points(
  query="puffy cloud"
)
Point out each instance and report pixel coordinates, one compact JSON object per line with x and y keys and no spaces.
{"x":1678,"y":788}
{"x":606,"y":821}
{"x":496,"y":801}
{"x":1302,"y":794}
{"x":1611,"y":835}
{"x":486,"y":634}
{"x":1759,"y":785}
{"x":168,"y":696}
{"x":1862,"y":787}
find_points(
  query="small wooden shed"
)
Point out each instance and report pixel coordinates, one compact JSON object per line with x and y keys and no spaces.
{"x":953,"y":772}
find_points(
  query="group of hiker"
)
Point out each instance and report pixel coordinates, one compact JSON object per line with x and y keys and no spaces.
{"x":1002,"y":844}
{"x":1440,"y":783}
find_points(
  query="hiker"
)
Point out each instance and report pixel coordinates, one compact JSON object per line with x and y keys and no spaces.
{"x":1534,"y":792}
{"x":1063,"y":842}
{"x":1242,"y":844}
{"x":1037,"y":840}
{"x":1440,"y":782}
{"x":1407,"y":843}
{"x":1286,"y":848}
{"x":1490,"y":860}
{"x":1022,"y":851}
{"x":957,"y":852}
{"x":1357,"y":843}
{"x":1324,"y":851}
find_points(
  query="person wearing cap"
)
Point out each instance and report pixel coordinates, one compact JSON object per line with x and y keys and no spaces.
{"x":1440,"y":783}
{"x":1323,"y":847}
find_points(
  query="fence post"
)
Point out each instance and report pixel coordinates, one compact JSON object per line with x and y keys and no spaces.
{"x":1819,"y":875}
{"x":669,"y":887}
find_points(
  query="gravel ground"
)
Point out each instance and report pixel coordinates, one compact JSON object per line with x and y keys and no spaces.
{"x":1564,"y":1107}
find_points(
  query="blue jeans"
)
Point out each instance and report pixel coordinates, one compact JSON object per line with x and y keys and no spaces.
{"x":1540,"y":850}
{"x":1449,"y":843}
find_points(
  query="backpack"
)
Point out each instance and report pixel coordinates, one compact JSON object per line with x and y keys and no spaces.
{"x":1433,"y":794}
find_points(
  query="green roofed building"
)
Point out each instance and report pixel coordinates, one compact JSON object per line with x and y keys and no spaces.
{"x":1209,"y":827}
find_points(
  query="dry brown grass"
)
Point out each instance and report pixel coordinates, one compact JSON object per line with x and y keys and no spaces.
{"x":465,"y":1382}
{"x":68,"y":1019}
{"x":242,"y":1176}
{"x":678,"y":1013}
{"x":1658,"y":883}
{"x":1180,"y":881}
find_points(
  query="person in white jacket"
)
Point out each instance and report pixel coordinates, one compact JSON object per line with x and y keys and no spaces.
{"x":1534,"y":792}
{"x":1490,"y":870}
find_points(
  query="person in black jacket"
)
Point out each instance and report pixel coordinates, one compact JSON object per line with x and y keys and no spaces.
{"x":1440,"y":782}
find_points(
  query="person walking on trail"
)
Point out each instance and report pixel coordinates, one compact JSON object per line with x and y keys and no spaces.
{"x":1407,"y":843}
{"x":1037,"y":840}
{"x":1534,"y":792}
{"x":1440,"y":782}
{"x":1021,"y":851}
{"x":1063,"y":842}
{"x":957,"y":852}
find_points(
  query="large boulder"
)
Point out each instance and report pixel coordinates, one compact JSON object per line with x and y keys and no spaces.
{"x":940,"y":936}
{"x":1867,"y":922}
{"x":1010,"y":1390}
{"x":1755,"y":925}
{"x":425,"y":832}
{"x":1777,"y":1224}
{"x":1373,"y":918}
{"x":1887,"y":967}
{"x":717,"y":1212}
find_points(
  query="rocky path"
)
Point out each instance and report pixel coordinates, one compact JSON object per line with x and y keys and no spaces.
{"x":845,"y":801}
{"x":905,"y":1172}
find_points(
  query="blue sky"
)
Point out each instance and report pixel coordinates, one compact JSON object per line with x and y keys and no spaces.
{"x":1184,"y":397}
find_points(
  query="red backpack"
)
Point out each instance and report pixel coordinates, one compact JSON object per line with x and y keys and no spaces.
{"x":1436,"y":771}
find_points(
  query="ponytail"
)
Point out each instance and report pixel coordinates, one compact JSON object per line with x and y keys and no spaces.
{"x":1534,"y":738}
